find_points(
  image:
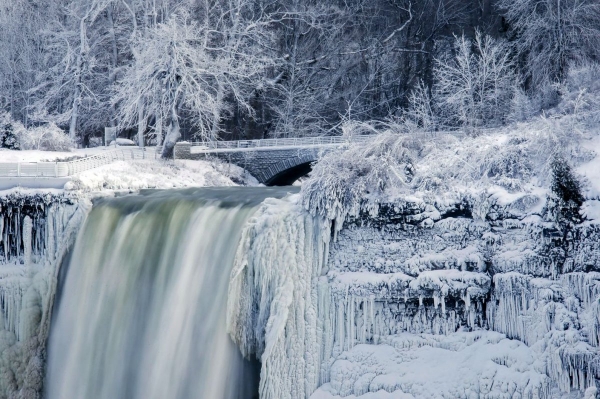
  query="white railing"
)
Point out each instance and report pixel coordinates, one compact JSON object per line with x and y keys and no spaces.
{"x":70,"y":168}
{"x":282,"y":142}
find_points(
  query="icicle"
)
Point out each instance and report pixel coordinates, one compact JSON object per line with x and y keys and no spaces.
{"x":2,"y":238}
{"x":27,"y":232}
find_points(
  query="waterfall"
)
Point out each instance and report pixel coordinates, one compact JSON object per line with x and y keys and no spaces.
{"x":142,"y":309}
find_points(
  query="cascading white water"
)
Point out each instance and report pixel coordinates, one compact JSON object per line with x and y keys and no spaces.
{"x":141,"y":313}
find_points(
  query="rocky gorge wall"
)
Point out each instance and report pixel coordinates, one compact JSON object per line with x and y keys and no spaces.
{"x":322,"y":308}
{"x":489,"y":294}
{"x":433,"y":269}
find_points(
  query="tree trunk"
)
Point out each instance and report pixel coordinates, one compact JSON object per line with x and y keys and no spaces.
{"x":114,"y":61}
{"x":173,"y":134}
{"x":159,"y":130}
{"x":78,"y":77}
{"x":74,"y":114}
{"x":141,"y":124}
{"x":217,"y":113}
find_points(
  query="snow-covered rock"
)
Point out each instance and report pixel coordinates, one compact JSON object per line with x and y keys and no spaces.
{"x":488,"y":294}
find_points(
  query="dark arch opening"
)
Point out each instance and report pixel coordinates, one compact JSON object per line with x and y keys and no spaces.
{"x":289,"y":176}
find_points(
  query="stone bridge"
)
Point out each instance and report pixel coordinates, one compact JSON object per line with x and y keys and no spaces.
{"x":274,"y":162}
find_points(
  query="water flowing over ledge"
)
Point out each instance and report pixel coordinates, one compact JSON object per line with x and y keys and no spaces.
{"x":142,"y":312}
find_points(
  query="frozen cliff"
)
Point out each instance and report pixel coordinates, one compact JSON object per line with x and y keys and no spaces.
{"x":37,"y":229}
{"x":416,"y":269}
{"x":461,"y":308}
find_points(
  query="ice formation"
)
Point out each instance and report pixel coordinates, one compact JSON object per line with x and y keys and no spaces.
{"x":494,"y":291}
{"x":273,"y":297}
{"x":37,"y":229}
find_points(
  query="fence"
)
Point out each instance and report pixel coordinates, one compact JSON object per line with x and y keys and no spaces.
{"x":69,"y":168}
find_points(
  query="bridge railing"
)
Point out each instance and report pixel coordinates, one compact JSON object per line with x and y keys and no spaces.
{"x":70,"y":168}
{"x":280,"y":142}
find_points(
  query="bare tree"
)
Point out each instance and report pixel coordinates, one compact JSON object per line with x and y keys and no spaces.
{"x":552,"y":33}
{"x":474,"y":88}
{"x":187,"y":67}
{"x":421,"y":111}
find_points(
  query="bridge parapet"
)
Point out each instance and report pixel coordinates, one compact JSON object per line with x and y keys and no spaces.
{"x":182,"y":150}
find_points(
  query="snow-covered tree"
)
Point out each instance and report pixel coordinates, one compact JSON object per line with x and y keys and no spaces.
{"x":71,"y":70}
{"x":186,"y":67}
{"x":552,"y":33}
{"x":474,"y":88}
{"x":22,"y":53}
{"x":10,"y":132}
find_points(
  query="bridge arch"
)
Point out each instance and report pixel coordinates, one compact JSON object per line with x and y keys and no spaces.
{"x":287,"y":171}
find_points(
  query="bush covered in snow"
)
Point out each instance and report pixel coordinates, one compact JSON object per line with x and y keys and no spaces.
{"x":15,"y":136}
{"x":46,"y":137}
{"x":580,"y":95}
{"x":395,"y":164}
{"x":339,"y":182}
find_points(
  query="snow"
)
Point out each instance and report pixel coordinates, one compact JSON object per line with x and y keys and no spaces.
{"x":480,"y":364}
{"x":591,"y":170}
{"x":434,"y":283}
{"x":134,"y":175}
{"x":48,"y":156}
{"x":142,"y":174}
{"x":122,"y":142}
{"x":591,"y":210}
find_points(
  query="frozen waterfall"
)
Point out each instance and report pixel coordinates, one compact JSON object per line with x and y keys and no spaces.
{"x":141,"y":313}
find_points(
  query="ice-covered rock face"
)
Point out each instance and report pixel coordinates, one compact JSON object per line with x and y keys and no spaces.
{"x":491,"y":289}
{"x":36,"y":231}
{"x":505,"y":269}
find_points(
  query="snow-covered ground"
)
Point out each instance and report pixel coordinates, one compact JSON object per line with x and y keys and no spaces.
{"x":142,"y":174}
{"x":480,"y":364}
{"x":134,"y":175}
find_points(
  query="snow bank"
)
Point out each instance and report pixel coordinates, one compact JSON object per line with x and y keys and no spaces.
{"x":142,"y":174}
{"x":48,"y":156}
{"x":479,"y":364}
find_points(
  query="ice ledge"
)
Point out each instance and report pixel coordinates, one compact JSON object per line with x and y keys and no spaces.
{"x":429,"y":284}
